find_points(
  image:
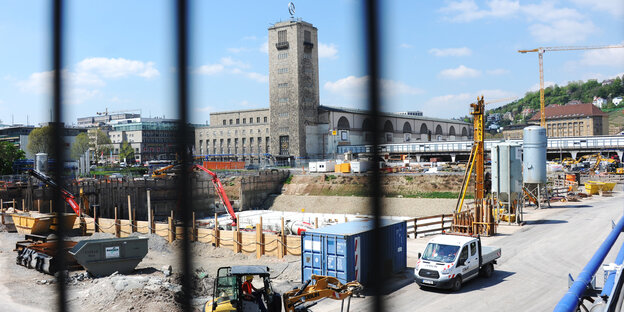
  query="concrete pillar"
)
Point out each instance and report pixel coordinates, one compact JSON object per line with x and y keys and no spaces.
{"x":418,"y":158}
{"x":620,"y":154}
{"x":574,"y":153}
{"x":453,"y":157}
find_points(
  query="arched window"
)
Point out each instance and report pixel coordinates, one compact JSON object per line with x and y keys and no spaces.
{"x":464,"y":131}
{"x":452,"y":130}
{"x":343,"y":123}
{"x":366,"y":125}
{"x":388,"y":126}
{"x":407,"y":128}
{"x":423,"y":129}
{"x":438,"y":130}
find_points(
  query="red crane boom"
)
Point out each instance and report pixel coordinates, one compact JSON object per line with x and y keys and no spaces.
{"x":69,"y":197}
{"x":220,"y":191}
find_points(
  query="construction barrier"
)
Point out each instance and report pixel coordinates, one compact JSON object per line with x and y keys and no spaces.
{"x":221,"y":165}
{"x":261,"y":243}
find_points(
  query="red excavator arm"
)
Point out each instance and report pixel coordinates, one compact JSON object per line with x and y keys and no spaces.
{"x":219,"y":188}
{"x":69,"y":197}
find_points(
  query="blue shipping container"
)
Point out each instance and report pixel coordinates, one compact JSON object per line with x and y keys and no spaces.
{"x":341,"y":250}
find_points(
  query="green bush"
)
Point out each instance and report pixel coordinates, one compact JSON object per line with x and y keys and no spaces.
{"x":330,"y":177}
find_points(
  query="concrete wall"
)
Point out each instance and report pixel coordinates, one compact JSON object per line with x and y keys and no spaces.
{"x":256,"y":189}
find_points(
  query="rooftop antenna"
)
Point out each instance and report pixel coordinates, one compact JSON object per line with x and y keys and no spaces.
{"x":291,"y":10}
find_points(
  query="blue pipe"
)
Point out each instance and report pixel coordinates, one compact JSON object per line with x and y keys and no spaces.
{"x":608,"y":287}
{"x":571,"y":300}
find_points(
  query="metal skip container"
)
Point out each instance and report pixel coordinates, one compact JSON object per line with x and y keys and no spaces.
{"x":343,"y":250}
{"x":102,"y":257}
{"x":534,"y":162}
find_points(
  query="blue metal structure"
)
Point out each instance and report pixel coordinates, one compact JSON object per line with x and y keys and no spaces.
{"x":343,"y":250}
{"x":571,"y":300}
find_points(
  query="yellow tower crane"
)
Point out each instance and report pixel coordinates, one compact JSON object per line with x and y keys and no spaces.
{"x":540,"y":51}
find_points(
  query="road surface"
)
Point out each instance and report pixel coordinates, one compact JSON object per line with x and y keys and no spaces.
{"x":531,"y":275}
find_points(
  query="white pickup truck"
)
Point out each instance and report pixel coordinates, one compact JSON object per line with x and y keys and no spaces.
{"x":450,"y":260}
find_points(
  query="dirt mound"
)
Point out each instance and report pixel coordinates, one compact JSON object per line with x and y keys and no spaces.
{"x":334,"y":184}
{"x":405,"y":207}
{"x":152,"y":292}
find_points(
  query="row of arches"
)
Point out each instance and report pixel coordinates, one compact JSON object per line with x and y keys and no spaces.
{"x":343,"y":124}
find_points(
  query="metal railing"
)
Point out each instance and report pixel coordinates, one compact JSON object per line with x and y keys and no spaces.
{"x":370,"y":14}
{"x":575,"y":294}
{"x":554,"y":144}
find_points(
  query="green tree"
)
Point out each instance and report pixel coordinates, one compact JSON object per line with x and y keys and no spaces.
{"x":8,"y":154}
{"x":80,"y":145}
{"x":126,"y":153}
{"x":40,"y":141}
{"x":101,"y":145}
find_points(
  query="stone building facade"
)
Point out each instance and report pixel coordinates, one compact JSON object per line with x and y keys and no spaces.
{"x":295,"y":125}
{"x":293,"y":86}
{"x":241,"y":134}
{"x":575,"y":120}
{"x":570,"y":120}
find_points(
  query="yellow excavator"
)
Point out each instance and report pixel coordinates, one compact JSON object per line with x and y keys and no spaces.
{"x":298,"y":299}
{"x":228,"y":295}
{"x":161,"y":172}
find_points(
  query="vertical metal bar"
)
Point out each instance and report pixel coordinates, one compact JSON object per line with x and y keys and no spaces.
{"x":183,"y":147}
{"x":371,"y":11}
{"x":58,"y":204}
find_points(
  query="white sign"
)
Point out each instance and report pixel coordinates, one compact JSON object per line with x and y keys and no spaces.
{"x":112,"y":252}
{"x":316,"y":246}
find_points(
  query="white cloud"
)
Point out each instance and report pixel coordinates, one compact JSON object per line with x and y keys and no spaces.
{"x":604,"y":57}
{"x":463,"y":51}
{"x":613,"y":7}
{"x":497,"y":72}
{"x":89,"y":76}
{"x":547,"y":22}
{"x":327,"y":51}
{"x":453,"y":105}
{"x":230,"y":62}
{"x":459,"y":72}
{"x":355,"y":87}
{"x":264,"y":48}
{"x":117,"y":67}
{"x":205,"y":109}
{"x":238,"y":50}
{"x":210,"y":69}
{"x":468,"y":10}
{"x":231,"y":66}
{"x":405,"y":46}
{"x":563,"y":31}
{"x":536,"y":86}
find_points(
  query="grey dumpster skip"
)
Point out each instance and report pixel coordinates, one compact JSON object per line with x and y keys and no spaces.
{"x":102,"y":257}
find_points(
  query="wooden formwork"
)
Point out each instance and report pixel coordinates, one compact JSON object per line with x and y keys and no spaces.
{"x":476,"y":220}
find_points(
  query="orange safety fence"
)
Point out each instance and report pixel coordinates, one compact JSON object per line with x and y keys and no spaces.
{"x":220,"y":165}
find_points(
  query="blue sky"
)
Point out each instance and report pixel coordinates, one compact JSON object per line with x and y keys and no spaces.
{"x":437,"y":55}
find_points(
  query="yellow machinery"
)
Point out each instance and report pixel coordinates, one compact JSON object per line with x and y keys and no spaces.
{"x":540,"y":52}
{"x":160,"y":173}
{"x":323,"y":287}
{"x":478,"y":220}
{"x":228,"y":295}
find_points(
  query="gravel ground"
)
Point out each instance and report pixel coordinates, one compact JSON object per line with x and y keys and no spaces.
{"x":147,"y":289}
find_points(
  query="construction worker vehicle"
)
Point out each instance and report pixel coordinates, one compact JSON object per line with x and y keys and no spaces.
{"x":301,"y":299}
{"x":450,"y":260}
{"x":228,"y":295}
